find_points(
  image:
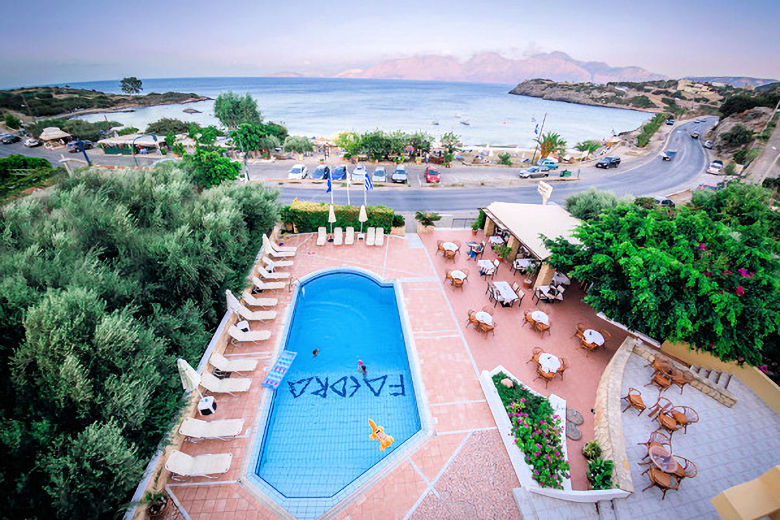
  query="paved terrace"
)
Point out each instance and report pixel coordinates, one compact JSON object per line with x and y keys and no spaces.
{"x":462,"y":471}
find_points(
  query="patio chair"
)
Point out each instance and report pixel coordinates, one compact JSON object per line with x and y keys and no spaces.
{"x":223,"y":364}
{"x":195,"y":430}
{"x":662,"y":480}
{"x":440,"y":247}
{"x":564,"y":366}
{"x":254,"y":301}
{"x":660,"y":363}
{"x":685,"y":468}
{"x":349,"y":239}
{"x":657,"y":438}
{"x":606,"y":335}
{"x":472,"y":320}
{"x":529,"y":320}
{"x":541,"y":374}
{"x":634,"y":400}
{"x":183,"y":466}
{"x":262,"y":285}
{"x":661,"y":380}
{"x":262,"y":273}
{"x":662,"y":405}
{"x":681,"y":379}
{"x":668,"y":423}
{"x":448,"y":275}
{"x":457,"y":282}
{"x":685,"y":415}
{"x":588,"y":347}
{"x":450,"y":255}
{"x":370,"y":236}
{"x":338,"y":236}
{"x":240,"y":310}
{"x":273,"y":264}
{"x":535,"y":353}
{"x":580,"y":332}
{"x":516,"y":288}
{"x":542,"y":327}
{"x":322,"y":236}
{"x":484,"y":327}
{"x":494,"y":295}
{"x":237,"y":335}
{"x":380,"y":236}
{"x":275,"y":251}
{"x":224,"y":386}
{"x":277,"y":247}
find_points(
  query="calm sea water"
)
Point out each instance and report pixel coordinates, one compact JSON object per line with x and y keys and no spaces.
{"x":323,"y":107}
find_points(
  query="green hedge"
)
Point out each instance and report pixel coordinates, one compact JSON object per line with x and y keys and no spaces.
{"x":650,"y":128}
{"x":308,"y":216}
{"x":21,"y":162}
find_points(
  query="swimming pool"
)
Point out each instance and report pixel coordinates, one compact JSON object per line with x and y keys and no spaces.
{"x":315,"y":440}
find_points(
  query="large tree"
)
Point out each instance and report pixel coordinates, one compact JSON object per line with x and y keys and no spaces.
{"x":297,"y":144}
{"x":233,"y":109}
{"x":131,"y":85}
{"x":687,"y":275}
{"x":550,"y":143}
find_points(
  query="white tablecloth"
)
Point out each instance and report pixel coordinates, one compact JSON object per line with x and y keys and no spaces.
{"x":540,"y":316}
{"x":593,"y":337}
{"x":549,"y":363}
{"x":495,"y":239}
{"x":486,"y":265}
{"x":484,"y":317}
{"x":522,"y":263}
{"x":559,"y":279}
{"x":450,"y":246}
{"x":507,"y":294}
{"x":460,"y":275}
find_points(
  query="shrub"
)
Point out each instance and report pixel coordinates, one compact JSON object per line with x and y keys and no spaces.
{"x":127,"y":130}
{"x":740,"y":156}
{"x":738,"y":135}
{"x":167,"y":124}
{"x":427,"y":218}
{"x":645,"y":202}
{"x":21,"y":162}
{"x":209,"y":168}
{"x":591,"y":450}
{"x":297,"y":144}
{"x":479,"y":223}
{"x":587,"y":205}
{"x":650,"y":128}
{"x":600,"y":473}
{"x":505,"y":159}
{"x":398,"y":220}
{"x":11,"y":121}
{"x":308,"y":216}
{"x":642,"y":102}
{"x":730,"y":169}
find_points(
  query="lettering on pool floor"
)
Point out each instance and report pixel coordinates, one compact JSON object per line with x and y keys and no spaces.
{"x":348,"y":386}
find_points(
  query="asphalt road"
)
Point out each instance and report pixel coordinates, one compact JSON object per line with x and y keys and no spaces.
{"x":647,"y":176}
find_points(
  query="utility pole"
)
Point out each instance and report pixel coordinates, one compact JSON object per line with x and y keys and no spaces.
{"x":533,"y":157}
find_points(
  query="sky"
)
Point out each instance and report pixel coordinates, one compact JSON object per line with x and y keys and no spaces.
{"x":54,"y":41}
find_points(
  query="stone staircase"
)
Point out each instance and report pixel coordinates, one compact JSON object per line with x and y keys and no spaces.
{"x":716,"y":377}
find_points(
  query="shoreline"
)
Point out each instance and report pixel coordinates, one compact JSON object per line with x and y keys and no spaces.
{"x":119,"y":109}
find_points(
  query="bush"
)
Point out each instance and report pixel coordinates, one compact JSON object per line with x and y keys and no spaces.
{"x":591,"y":450}
{"x":738,"y":135}
{"x":641,"y":102}
{"x":730,"y":169}
{"x":587,"y":205}
{"x":650,"y":128}
{"x":127,"y":130}
{"x":167,"y":124}
{"x":308,"y":216}
{"x":209,"y":168}
{"x":398,"y":220}
{"x":427,"y":218}
{"x":600,"y":473}
{"x":21,"y":162}
{"x":479,"y":223}
{"x":505,"y":159}
{"x":740,"y":156}
{"x":11,"y":121}
{"x":297,"y":144}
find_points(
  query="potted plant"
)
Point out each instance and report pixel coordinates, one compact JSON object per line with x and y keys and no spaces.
{"x":399,"y":225}
{"x":426,"y":220}
{"x":600,"y":473}
{"x":474,"y":228}
{"x":530,"y":272}
{"x":158,"y":504}
{"x":591,"y":450}
{"x":479,"y":223}
{"x":503,"y":252}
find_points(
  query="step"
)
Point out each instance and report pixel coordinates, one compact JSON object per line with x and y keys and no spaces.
{"x":725,"y":380}
{"x":713,"y":376}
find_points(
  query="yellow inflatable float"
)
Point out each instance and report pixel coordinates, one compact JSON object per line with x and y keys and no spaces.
{"x":378,"y":433}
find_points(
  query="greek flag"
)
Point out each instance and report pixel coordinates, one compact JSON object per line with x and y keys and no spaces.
{"x":369,"y":185}
{"x":330,"y":188}
{"x":536,"y":129}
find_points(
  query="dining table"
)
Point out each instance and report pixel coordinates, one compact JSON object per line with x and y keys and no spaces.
{"x":560,"y":279}
{"x":508,"y":295}
{"x":593,"y":337}
{"x":486,"y":266}
{"x":450,"y":246}
{"x":459,"y":275}
{"x":540,"y":317}
{"x":549,"y":363}
{"x":661,"y":458}
{"x":483,"y":317}
{"x":495,"y":239}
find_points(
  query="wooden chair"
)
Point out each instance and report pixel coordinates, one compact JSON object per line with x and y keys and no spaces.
{"x":529,"y":319}
{"x":535,"y":353}
{"x":457,"y":282}
{"x":668,"y":423}
{"x":580,"y":332}
{"x":684,"y":415}
{"x":660,"y":363}
{"x":542,"y":327}
{"x":564,"y":366}
{"x":448,"y":275}
{"x":662,"y":380}
{"x":541,"y":374}
{"x":685,"y":468}
{"x":657,"y":438}
{"x":664,"y":481}
{"x":440,"y":247}
{"x":472,"y":320}
{"x":484,"y":327}
{"x":588,"y":347}
{"x":606,"y":335}
{"x":662,"y":405}
{"x":450,"y":255}
{"x":681,"y":379}
{"x":634,"y":400}
{"x":516,"y":288}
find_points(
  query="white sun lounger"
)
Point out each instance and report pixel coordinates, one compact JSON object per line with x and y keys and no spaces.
{"x":270,"y":276}
{"x":322,"y":236}
{"x":224,"y":386}
{"x":182,"y":465}
{"x":267,"y":286}
{"x":273,"y":250}
{"x":223,"y":364}
{"x":338,"y":237}
{"x":350,"y":238}
{"x":254,"y":301}
{"x":279,"y":248}
{"x":223,"y":429}
{"x":273,"y":264}
{"x":236,"y":307}
{"x":237,"y":335}
{"x":370,"y":236}
{"x":380,"y":236}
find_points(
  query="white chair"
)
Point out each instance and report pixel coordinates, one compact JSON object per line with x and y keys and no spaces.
{"x":279,"y":248}
{"x":273,"y":264}
{"x":271,"y":276}
{"x":338,"y":237}
{"x":182,"y":465}
{"x":223,"y":364}
{"x":195,"y":430}
{"x":224,"y":386}
{"x":235,"y":306}
{"x":380,"y":236}
{"x":251,"y":299}
{"x":322,"y":236}
{"x":237,"y":335}
{"x":349,"y":239}
{"x":270,"y":251}
{"x":267,"y":286}
{"x":370,"y":236}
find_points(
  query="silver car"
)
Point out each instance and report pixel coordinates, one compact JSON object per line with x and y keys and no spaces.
{"x":379,"y":174}
{"x":399,"y":174}
{"x":359,"y":173}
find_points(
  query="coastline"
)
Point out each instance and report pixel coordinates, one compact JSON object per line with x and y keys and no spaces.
{"x":123,"y":108}
{"x":564,"y":99}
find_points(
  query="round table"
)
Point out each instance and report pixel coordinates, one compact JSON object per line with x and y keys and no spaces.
{"x":541,"y":317}
{"x":549,"y":363}
{"x":484,"y":317}
{"x":496,"y":240}
{"x":593,"y":337}
{"x":472,"y":244}
{"x":662,"y":459}
{"x":450,"y":246}
{"x":459,"y":275}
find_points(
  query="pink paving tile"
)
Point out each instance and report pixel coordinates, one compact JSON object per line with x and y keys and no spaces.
{"x":432,"y":457}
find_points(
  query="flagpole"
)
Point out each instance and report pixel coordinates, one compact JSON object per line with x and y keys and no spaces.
{"x":348,"y":183}
{"x":533,"y":157}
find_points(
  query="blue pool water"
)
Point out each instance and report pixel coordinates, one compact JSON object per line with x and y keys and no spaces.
{"x":316,"y":438}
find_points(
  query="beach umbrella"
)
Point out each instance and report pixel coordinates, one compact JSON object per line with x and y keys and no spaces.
{"x":331,"y":217}
{"x":189,"y":378}
{"x":362,"y":217}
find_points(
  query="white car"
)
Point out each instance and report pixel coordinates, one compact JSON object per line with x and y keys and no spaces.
{"x":358,"y":174}
{"x":715,"y":167}
{"x":31,"y":142}
{"x":379,"y":174}
{"x":298,"y":172}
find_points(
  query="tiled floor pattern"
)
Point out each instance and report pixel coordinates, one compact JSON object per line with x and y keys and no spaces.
{"x":728,"y":445}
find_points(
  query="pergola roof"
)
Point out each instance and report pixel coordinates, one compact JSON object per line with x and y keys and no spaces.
{"x":51,"y":133}
{"x":528,"y":221}
{"x":140,"y":140}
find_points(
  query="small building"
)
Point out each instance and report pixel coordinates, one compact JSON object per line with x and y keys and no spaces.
{"x":522,"y":226}
{"x":53,"y":136}
{"x":123,"y":144}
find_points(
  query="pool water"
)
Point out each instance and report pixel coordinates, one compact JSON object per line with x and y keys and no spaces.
{"x":316,"y":439}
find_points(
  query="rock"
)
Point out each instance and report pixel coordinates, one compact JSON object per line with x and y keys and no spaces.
{"x":574,"y":417}
{"x":507,"y":382}
{"x":572,"y":432}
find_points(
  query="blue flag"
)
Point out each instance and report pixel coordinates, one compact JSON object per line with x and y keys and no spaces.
{"x":536,"y":129}
{"x":330,"y":188}
{"x":369,"y":185}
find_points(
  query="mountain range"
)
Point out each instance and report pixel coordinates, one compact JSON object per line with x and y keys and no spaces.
{"x":491,"y":67}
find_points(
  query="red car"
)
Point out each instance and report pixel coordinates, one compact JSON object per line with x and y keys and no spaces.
{"x":432,"y":175}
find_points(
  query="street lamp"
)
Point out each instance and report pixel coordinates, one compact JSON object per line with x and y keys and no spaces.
{"x":132,"y":145}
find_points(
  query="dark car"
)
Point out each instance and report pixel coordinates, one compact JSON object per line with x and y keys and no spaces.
{"x":663,"y":201}
{"x":670,"y":121}
{"x":10,"y":138}
{"x":339,"y":173}
{"x":432,"y":175}
{"x":695,"y":135}
{"x":608,"y":162}
{"x":668,"y":155}
{"x":321,"y":172}
{"x":73,"y":146}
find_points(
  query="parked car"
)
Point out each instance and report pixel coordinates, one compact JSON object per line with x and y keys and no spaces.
{"x":716,"y":187}
{"x":298,"y":171}
{"x":379,"y":174}
{"x":707,"y":144}
{"x":663,"y":201}
{"x":550,"y":164}
{"x":668,"y":155}
{"x":359,"y":173}
{"x":608,"y":162}
{"x":31,"y":142}
{"x":339,"y":173}
{"x":695,"y":135}
{"x":432,"y":175}
{"x":670,"y":121}
{"x":399,"y":174}
{"x":534,"y":171}
{"x":321,"y":172}
{"x":73,"y":146}
{"x":10,"y":138}
{"x":715,"y":167}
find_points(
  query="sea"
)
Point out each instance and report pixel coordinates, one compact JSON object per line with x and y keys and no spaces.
{"x":322,"y":107}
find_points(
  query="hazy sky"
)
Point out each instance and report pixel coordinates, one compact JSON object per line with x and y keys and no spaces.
{"x":54,"y":41}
